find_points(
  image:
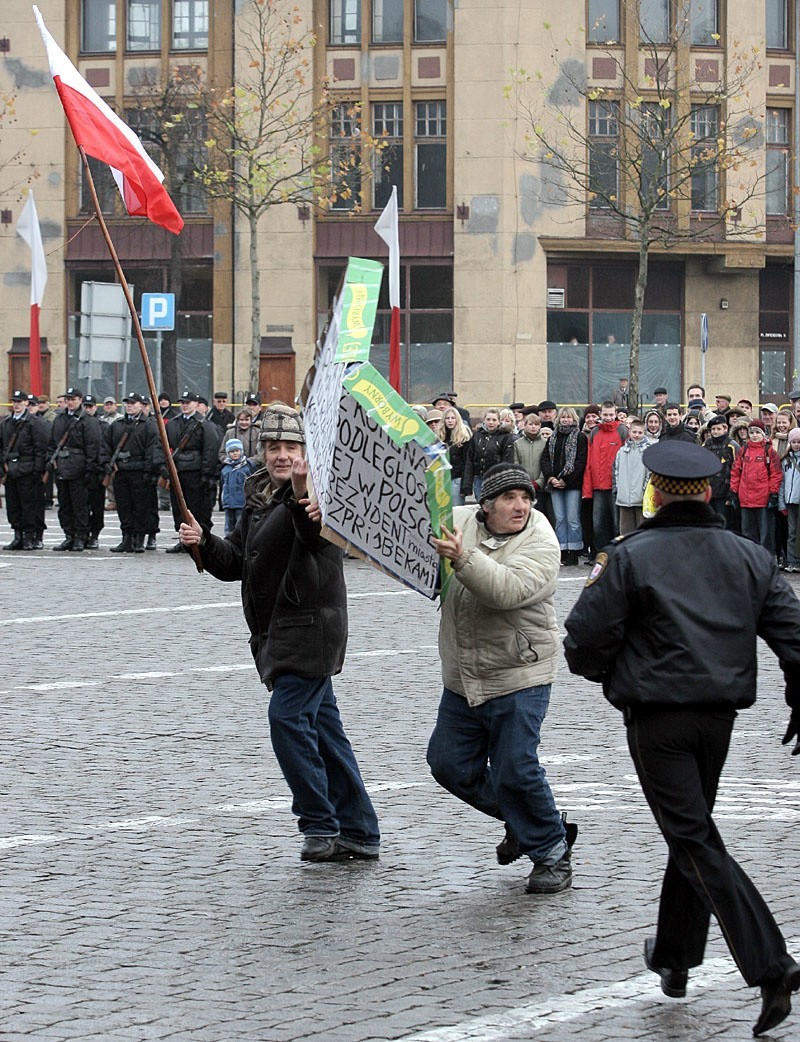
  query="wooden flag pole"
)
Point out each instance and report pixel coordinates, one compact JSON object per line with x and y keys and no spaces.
{"x":151,"y":384}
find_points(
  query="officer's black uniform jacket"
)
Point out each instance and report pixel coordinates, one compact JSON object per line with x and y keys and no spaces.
{"x":293,"y":590}
{"x":25,"y":454}
{"x":80,"y":456}
{"x":200,"y":451}
{"x":673,"y":615}
{"x":142,"y":449}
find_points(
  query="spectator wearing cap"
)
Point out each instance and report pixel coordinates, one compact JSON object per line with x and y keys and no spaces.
{"x":445,"y":398}
{"x":660,"y":398}
{"x":295,"y":604}
{"x":621,"y":394}
{"x":74,"y":453}
{"x":789,"y":498}
{"x":722,"y":404}
{"x":236,"y":469}
{"x":434,"y":418}
{"x":253,"y":403}
{"x":110,"y":413}
{"x":135,"y":460}
{"x":168,"y":410}
{"x":769,"y":410}
{"x":755,"y":480}
{"x":746,"y":406}
{"x":499,"y":645}
{"x":489,"y":445}
{"x":220,"y":415}
{"x":194,"y":446}
{"x":45,"y":410}
{"x":23,"y":456}
{"x":518,"y":409}
{"x":547,"y":413}
{"x":720,"y":443}
{"x":680,"y":671}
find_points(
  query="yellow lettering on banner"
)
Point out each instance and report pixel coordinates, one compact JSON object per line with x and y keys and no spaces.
{"x":406,"y":426}
{"x":440,"y":492}
{"x":354,"y":324}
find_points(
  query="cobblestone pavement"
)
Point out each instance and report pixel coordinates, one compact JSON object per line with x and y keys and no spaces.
{"x":151,"y":886}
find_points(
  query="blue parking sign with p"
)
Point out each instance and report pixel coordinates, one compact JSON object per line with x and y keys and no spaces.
{"x":158,"y":311}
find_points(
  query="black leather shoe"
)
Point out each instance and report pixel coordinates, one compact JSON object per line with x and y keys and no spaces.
{"x":176,"y":549}
{"x":121,"y":548}
{"x":673,"y":982}
{"x":776,"y":1000}
{"x":322,"y":848}
{"x":16,"y":542}
{"x":92,"y":543}
{"x":66,"y":545}
{"x":28,"y":542}
{"x":78,"y":546}
{"x":151,"y":543}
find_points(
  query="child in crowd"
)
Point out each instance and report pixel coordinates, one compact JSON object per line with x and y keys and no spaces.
{"x":630,"y":477}
{"x":235,"y":472}
{"x":755,"y":479}
{"x":789,"y":497}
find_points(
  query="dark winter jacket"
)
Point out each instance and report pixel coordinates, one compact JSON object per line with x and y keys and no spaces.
{"x":141,"y":449}
{"x":725,"y":451}
{"x":634,"y":628}
{"x":553,"y":459}
{"x":485,"y":448}
{"x":23,"y":445}
{"x":293,"y":591}
{"x":80,"y":455}
{"x":200,"y":453}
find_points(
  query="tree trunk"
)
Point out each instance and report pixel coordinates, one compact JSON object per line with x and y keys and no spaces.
{"x":255,"y":293}
{"x":638,"y":310}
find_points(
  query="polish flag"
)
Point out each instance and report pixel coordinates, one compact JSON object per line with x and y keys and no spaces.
{"x":28,"y":229}
{"x":386,"y":227}
{"x":103,"y":135}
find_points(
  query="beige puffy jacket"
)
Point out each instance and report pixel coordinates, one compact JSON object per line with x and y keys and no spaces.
{"x":498,"y":631}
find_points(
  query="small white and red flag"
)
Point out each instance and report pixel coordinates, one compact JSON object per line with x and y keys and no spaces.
{"x":387,"y":227}
{"x":103,"y":135}
{"x":29,"y":230}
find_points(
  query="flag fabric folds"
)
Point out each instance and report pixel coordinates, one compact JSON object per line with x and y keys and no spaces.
{"x":30,"y":232}
{"x":103,"y":135}
{"x":387,"y":227}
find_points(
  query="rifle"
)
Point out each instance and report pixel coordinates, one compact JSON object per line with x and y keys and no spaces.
{"x":9,"y":450}
{"x":113,"y":462}
{"x":51,"y":463}
{"x":164,"y":482}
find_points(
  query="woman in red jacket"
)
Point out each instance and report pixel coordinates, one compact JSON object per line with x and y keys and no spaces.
{"x":755,"y":480}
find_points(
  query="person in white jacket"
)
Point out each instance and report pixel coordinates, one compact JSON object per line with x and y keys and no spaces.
{"x":789,"y":498}
{"x":630,"y":478}
{"x":499,"y":644}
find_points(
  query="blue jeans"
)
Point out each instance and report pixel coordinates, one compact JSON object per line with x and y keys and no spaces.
{"x":503,"y":731}
{"x":477,"y":482}
{"x":791,"y":545}
{"x":604,"y":517}
{"x":567,"y":510}
{"x":458,"y":499}
{"x":318,"y":762}
{"x":758,"y":525}
{"x":232,"y":518}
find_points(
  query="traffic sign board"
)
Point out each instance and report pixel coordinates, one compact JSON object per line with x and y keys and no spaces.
{"x":158,"y":311}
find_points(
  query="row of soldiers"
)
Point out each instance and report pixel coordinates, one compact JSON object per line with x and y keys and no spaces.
{"x":83,"y":455}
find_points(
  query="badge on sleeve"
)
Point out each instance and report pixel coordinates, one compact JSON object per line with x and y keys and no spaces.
{"x":600,"y":564}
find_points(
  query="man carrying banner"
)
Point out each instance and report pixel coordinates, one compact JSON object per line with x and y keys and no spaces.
{"x":295,"y":604}
{"x":499,"y":644}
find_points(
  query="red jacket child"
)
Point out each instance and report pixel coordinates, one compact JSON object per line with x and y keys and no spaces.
{"x":756,"y":473}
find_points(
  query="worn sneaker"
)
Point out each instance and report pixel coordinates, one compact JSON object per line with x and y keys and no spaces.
{"x":359,"y":851}
{"x":322,"y":848}
{"x":551,"y":879}
{"x":508,"y":848}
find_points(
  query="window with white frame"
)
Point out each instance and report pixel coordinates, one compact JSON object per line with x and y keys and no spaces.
{"x":99,"y":25}
{"x":143,"y":25}
{"x":430,"y":134}
{"x":603,"y":153}
{"x":704,"y":126}
{"x":387,"y":128}
{"x":345,"y":22}
{"x":345,"y":156}
{"x":190,"y":25}
{"x":603,"y":21}
{"x":777,"y":24}
{"x":776,"y":187}
{"x":387,"y":21}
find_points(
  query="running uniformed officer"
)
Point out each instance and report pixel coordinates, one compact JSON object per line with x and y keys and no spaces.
{"x":680,"y":668}
{"x":23,"y":454}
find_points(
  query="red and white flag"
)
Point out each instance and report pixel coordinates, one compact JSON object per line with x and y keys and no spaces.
{"x":29,"y":230}
{"x":387,"y":227}
{"x":103,"y":135}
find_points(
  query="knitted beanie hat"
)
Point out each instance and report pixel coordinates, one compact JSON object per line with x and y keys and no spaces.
{"x":280,"y":422}
{"x":234,"y":443}
{"x":503,"y":477}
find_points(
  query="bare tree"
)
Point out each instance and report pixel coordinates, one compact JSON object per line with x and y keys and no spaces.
{"x":664,"y":159}
{"x":16,"y":173}
{"x":268,"y":133}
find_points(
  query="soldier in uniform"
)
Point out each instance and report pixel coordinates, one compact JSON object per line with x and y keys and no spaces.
{"x":680,"y":668}
{"x":23,"y":451}
{"x":74,"y":454}
{"x":94,"y":481}
{"x":135,"y":460}
{"x":194,"y":446}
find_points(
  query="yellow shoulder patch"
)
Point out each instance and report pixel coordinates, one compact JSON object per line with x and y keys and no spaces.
{"x":600,"y":564}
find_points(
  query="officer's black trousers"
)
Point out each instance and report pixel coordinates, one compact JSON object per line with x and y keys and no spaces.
{"x":196,"y":496}
{"x":679,"y":755}
{"x":130,"y":495}
{"x":25,"y":504}
{"x":73,"y":507}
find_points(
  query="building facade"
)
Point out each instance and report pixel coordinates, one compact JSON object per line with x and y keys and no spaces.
{"x":506,"y":293}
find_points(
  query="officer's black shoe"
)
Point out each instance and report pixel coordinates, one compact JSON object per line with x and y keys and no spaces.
{"x":151,"y":543}
{"x":673,"y":982}
{"x":138,"y":544}
{"x":16,"y":542}
{"x":37,"y":543}
{"x":776,"y":1000}
{"x":122,"y":548}
{"x":92,"y":543}
{"x":176,"y":549}
{"x":28,"y":542}
{"x":66,"y":545}
{"x":78,"y":546}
